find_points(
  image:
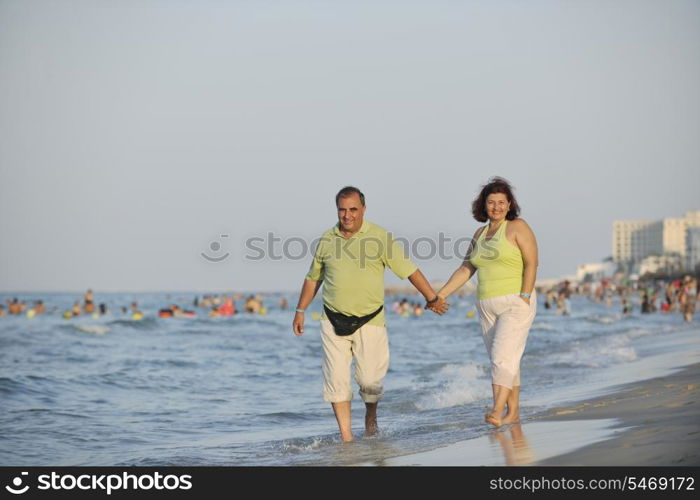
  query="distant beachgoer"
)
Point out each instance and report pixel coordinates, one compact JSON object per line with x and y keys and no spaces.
{"x":549,"y":299}
{"x":124,"y":310}
{"x":504,"y":253}
{"x":626,"y":307}
{"x":228,"y":308}
{"x":284,"y":305}
{"x":166,"y":312}
{"x":417,"y":310}
{"x":2,"y":310}
{"x":89,"y":305}
{"x":136,"y":313}
{"x":689,"y":298}
{"x":175,"y":311}
{"x":564,"y":299}
{"x":103,"y":309}
{"x":646,"y":306}
{"x":39,"y":307}
{"x":252,"y":305}
{"x":15,"y":307}
{"x":76,"y":309}
{"x":608,"y":297}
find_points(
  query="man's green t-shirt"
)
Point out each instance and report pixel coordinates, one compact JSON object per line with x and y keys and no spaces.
{"x":352,"y":269}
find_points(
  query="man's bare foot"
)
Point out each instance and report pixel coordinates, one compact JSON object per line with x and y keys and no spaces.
{"x":371,"y":427}
{"x":493,"y":418}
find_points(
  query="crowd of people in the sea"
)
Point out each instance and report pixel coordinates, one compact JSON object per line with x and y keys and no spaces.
{"x":207,"y":305}
{"x":651,"y":296}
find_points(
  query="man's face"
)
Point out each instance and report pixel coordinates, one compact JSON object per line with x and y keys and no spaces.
{"x":350,"y":213}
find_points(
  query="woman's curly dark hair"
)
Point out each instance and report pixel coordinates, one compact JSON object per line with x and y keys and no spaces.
{"x":495,"y":185}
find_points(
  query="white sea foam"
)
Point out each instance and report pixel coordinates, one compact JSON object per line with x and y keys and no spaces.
{"x":457,"y":385}
{"x":541,"y":325}
{"x":304,"y":444}
{"x":598,"y":352}
{"x":94,"y":329}
{"x":606,"y":320}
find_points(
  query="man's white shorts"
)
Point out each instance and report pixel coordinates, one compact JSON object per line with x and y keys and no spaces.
{"x":369,"y":345}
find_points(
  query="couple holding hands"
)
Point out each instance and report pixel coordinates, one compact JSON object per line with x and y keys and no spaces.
{"x":350,"y":261}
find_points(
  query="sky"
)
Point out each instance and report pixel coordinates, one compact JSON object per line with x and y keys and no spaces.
{"x":142,"y":141}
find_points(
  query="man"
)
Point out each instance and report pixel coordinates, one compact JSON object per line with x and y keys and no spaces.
{"x":350,"y":260}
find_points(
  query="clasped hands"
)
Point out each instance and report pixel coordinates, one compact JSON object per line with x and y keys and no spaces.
{"x":439,"y":306}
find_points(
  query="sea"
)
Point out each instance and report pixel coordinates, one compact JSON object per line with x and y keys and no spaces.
{"x":245,"y":391}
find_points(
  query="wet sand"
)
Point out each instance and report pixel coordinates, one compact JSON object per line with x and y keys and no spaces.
{"x":661,"y":417}
{"x":654,"y":422}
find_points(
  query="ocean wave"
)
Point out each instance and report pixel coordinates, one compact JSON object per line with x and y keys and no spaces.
{"x":92,"y":329}
{"x":457,"y":385}
{"x":538,"y":325}
{"x":303,"y":445}
{"x":598,"y":352}
{"x":139,"y":324}
{"x":34,"y":385}
{"x":606,"y":320}
{"x":286,"y":416}
{"x":9,"y":385}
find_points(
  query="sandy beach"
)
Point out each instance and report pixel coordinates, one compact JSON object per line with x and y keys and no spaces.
{"x":660,"y":419}
{"x":653,"y":422}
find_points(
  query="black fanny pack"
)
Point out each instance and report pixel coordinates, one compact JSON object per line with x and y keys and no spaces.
{"x":347,"y":325}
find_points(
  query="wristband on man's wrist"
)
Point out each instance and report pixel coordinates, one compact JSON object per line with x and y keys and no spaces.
{"x":434,"y":300}
{"x":526,"y":295}
{"x":301,"y":310}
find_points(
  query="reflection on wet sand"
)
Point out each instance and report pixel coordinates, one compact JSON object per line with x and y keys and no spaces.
{"x":513,"y":444}
{"x":516,"y":449}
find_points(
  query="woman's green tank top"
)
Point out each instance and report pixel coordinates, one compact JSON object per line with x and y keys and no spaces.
{"x":499,"y":264}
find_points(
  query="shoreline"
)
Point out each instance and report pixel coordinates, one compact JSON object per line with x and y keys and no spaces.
{"x":660,"y":417}
{"x":651,"y":422}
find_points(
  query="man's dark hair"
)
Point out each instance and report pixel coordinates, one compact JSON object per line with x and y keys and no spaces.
{"x":347,"y":191}
{"x":495,"y":185}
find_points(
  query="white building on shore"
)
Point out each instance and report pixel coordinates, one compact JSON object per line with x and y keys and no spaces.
{"x":667,"y":239}
{"x":665,"y":264}
{"x":693,"y":249}
{"x":595,"y":271}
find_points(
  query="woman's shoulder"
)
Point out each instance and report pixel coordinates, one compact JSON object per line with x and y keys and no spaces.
{"x":519,"y":229}
{"x":518,"y":223}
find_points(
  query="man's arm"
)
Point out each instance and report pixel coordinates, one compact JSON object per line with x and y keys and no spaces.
{"x":308,"y":292}
{"x":435,"y":303}
{"x":419,"y":281}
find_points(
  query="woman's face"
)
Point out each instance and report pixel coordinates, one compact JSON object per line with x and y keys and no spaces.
{"x":497,"y":206}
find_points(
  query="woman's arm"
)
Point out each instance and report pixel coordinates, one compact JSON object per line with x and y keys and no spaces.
{"x":463,"y":273}
{"x":525,"y":239}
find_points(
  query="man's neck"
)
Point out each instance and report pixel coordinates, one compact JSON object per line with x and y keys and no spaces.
{"x":347,"y":234}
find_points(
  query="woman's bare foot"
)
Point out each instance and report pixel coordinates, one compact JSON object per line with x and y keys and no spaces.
{"x":511,"y":418}
{"x":493,"y":418}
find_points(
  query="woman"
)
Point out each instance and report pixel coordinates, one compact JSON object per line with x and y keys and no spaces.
{"x":504,"y":252}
